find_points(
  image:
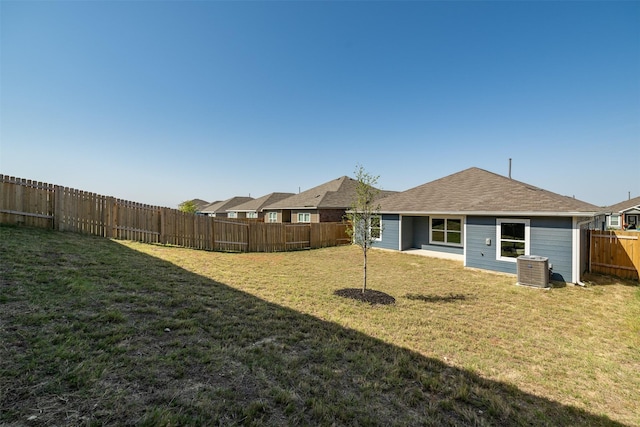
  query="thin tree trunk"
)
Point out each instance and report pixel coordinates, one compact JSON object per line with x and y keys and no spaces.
{"x":364,"y":267}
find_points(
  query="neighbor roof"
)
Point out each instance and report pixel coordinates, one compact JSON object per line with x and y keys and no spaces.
{"x":624,"y":206}
{"x":256,"y":205}
{"x":225,"y":204}
{"x":199,"y":203}
{"x":479,"y":191}
{"x":337,"y":194}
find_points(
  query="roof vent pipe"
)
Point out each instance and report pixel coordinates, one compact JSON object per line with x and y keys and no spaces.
{"x":509,"y":167}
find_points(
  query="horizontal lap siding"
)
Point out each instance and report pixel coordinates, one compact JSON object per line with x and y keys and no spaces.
{"x":550,"y":237}
{"x":390,"y":233}
{"x":478,"y":254}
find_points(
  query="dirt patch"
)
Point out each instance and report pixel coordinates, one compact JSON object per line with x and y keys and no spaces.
{"x":370,"y":296}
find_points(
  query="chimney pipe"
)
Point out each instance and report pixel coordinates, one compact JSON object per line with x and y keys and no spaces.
{"x":509,"y":167}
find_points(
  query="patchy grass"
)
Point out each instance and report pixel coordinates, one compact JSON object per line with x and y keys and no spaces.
{"x":97,"y":332}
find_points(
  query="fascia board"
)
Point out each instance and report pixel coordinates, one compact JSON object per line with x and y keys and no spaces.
{"x":492,"y":213}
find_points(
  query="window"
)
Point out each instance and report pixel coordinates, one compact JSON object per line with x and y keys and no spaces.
{"x":233,"y":215}
{"x":375,"y":228}
{"x":614,"y":220}
{"x":512,"y":239}
{"x":304,"y":217}
{"x":252,"y":214}
{"x":273,"y":217}
{"x":446,"y":231}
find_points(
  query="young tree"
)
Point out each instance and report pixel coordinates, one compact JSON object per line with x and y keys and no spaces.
{"x":188,"y":206}
{"x":364,"y":216}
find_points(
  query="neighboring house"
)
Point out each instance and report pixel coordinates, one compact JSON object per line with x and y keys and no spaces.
{"x":487,"y":220}
{"x":254,"y":208}
{"x":222,"y":209}
{"x":624,"y":215}
{"x":200,"y":204}
{"x":325,"y":203}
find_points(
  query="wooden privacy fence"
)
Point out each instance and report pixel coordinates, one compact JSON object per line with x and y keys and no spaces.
{"x":615,"y":252}
{"x":44,"y":205}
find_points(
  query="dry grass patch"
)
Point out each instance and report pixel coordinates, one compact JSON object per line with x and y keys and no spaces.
{"x":96,"y":332}
{"x":578,"y":346}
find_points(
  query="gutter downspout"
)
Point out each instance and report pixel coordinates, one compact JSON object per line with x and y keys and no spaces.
{"x":576,"y":249}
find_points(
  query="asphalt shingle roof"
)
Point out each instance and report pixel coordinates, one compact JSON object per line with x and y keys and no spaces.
{"x":222,"y":206}
{"x":481,"y":191}
{"x":258,"y":204}
{"x":623,"y":206}
{"x":337,"y":194}
{"x":199,"y":203}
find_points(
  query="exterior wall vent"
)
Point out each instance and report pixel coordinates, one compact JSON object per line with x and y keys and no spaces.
{"x":533,"y":270}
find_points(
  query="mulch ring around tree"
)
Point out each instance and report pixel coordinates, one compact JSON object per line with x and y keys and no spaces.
{"x":370,"y":296}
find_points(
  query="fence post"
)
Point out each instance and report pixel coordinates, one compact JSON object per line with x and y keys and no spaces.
{"x":114,"y":219}
{"x":213,"y":233}
{"x":108,"y":221}
{"x":162,"y":226}
{"x":57,"y":208}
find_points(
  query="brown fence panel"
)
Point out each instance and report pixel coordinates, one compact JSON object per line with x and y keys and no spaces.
{"x":80,"y":211}
{"x":26,"y":202}
{"x":298,"y":236}
{"x":135,"y":221}
{"x":203,"y":232}
{"x":231,"y":236}
{"x":267,"y":237}
{"x":185,"y":229}
{"x":326,"y":234}
{"x":615,"y":252}
{"x":168,"y":226}
{"x":67,"y":209}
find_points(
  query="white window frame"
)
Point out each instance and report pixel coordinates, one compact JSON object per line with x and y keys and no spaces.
{"x":379,"y":227}
{"x":615,"y":223}
{"x":272,"y":216}
{"x":252,"y":215}
{"x":445,"y":243}
{"x":232,"y":214}
{"x":527,"y":237}
{"x":306,"y":217}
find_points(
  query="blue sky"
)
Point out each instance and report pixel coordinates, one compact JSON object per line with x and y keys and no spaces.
{"x":160,"y":102}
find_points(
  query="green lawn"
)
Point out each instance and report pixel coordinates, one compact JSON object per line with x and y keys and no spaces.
{"x":99,"y":332}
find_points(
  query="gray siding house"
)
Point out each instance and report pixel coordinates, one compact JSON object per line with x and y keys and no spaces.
{"x":487,"y":220}
{"x":624,"y":215}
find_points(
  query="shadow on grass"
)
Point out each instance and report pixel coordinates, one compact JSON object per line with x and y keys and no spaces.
{"x":101,"y":334}
{"x":437,"y":298}
{"x":370,"y":296}
{"x":597,"y":279}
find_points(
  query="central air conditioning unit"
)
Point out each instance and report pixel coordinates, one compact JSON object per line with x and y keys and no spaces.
{"x":533,"y":270}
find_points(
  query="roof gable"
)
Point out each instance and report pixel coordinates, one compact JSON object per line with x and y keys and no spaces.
{"x":199,"y":203}
{"x":258,"y":204}
{"x":335,"y":194}
{"x":478,"y":190}
{"x":624,"y":206}
{"x":225,"y":204}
